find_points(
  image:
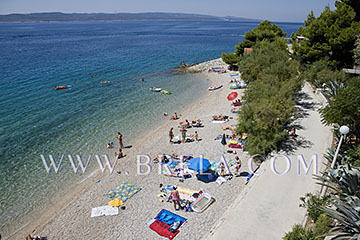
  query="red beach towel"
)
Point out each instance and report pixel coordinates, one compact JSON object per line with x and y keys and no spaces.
{"x":235,"y":146}
{"x":163,"y":229}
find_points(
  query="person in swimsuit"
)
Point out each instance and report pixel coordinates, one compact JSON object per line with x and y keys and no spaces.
{"x":120,"y":137}
{"x":171,"y":134}
{"x":175,"y":197}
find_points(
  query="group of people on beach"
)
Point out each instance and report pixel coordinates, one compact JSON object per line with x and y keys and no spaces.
{"x":183,"y":135}
{"x":110,"y":145}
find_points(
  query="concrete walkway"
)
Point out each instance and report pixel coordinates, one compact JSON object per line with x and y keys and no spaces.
{"x":269,"y":206}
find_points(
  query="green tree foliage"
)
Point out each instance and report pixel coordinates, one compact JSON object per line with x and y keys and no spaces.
{"x":344,"y":109}
{"x":330,"y":35}
{"x":272,"y":82}
{"x":357,"y":51}
{"x":355,"y":4}
{"x":230,"y":58}
{"x":264,"y":31}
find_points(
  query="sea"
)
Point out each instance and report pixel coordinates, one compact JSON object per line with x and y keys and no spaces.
{"x":36,"y":119}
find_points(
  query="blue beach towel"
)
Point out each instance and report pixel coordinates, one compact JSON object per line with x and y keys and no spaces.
{"x":169,"y":218}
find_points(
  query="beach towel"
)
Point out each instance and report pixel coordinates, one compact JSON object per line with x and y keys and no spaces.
{"x":169,"y":218}
{"x":116,"y":202}
{"x":123,"y":191}
{"x":235,"y":146}
{"x":220,"y":121}
{"x":215,"y":166}
{"x":104,"y":211}
{"x":163,"y":229}
{"x":220,"y":180}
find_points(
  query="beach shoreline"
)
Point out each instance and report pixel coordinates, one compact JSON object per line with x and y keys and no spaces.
{"x":40,"y":224}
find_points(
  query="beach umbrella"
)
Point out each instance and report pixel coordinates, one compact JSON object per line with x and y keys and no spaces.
{"x":198,"y":164}
{"x":232,"y":96}
{"x":223,"y":140}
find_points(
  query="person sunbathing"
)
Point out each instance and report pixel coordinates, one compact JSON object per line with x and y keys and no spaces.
{"x":120,"y":154}
{"x":292,"y":133}
{"x":219,"y":117}
{"x":237,"y":102}
{"x":178,"y":174}
{"x":175,"y":156}
{"x":174,"y":117}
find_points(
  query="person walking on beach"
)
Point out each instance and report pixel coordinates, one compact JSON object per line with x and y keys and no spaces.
{"x":171,"y":134}
{"x":120,"y":137}
{"x":238,"y":166}
{"x":175,"y":197}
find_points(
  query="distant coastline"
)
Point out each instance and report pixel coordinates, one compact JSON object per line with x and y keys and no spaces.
{"x":94,"y":17}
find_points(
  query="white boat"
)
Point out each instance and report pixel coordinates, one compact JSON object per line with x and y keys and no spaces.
{"x":215,"y":87}
{"x":155,"y":89}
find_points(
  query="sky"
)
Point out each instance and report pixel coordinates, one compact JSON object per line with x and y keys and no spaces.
{"x":274,"y":10}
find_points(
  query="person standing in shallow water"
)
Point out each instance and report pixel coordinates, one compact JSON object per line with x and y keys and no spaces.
{"x":120,"y":137}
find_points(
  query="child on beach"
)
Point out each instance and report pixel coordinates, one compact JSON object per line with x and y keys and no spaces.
{"x":196,"y":136}
{"x":175,"y":197}
{"x":238,"y":166}
{"x":120,"y":154}
{"x":110,"y":145}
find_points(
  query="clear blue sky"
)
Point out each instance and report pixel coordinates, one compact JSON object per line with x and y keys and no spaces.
{"x":275,"y":10}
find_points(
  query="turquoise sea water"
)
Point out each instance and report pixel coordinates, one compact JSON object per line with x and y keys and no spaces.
{"x":36,"y":119}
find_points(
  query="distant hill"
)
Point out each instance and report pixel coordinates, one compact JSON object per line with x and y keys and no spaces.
{"x":84,"y":17}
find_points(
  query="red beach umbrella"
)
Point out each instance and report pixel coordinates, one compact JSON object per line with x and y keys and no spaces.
{"x":232,"y":96}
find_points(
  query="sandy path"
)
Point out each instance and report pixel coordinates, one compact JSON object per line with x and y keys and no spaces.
{"x":270,"y":206}
{"x":74,"y":222}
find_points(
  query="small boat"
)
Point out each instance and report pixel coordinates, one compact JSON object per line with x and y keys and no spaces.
{"x":165,"y":92}
{"x":215,"y":87}
{"x":104,"y":82}
{"x":61,"y":87}
{"x":155,"y":89}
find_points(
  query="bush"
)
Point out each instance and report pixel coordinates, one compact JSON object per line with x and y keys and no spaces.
{"x":322,"y":226}
{"x":299,"y":233}
{"x":313,"y":205}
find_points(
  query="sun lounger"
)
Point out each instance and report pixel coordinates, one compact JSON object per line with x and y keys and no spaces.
{"x":104,"y":211}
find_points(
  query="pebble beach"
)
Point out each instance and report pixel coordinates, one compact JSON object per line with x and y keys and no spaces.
{"x":70,"y":217}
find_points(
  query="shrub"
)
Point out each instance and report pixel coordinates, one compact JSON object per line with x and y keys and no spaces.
{"x":313,"y":205}
{"x":322,"y":226}
{"x":299,"y":233}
